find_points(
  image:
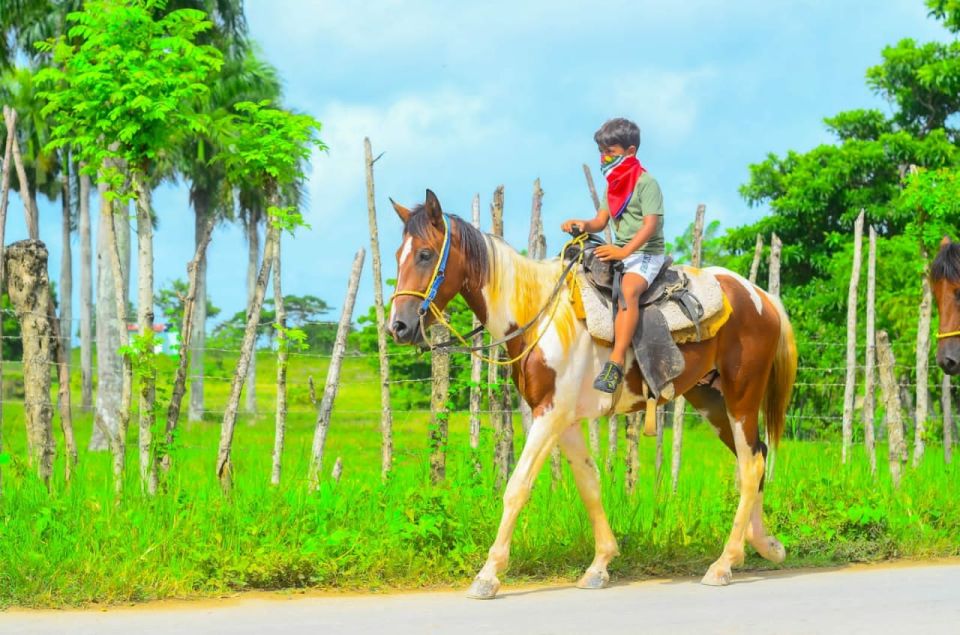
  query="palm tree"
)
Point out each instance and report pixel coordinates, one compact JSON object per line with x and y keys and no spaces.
{"x":244,"y":78}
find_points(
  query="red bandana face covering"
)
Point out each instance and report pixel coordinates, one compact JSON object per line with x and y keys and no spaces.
{"x":622,"y":173}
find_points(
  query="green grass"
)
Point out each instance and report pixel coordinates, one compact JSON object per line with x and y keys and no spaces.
{"x":75,"y":545}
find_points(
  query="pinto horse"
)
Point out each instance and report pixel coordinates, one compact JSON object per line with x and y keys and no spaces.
{"x":749,"y":365}
{"x":945,"y":283}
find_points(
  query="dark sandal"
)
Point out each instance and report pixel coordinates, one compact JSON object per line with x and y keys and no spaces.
{"x":609,"y":378}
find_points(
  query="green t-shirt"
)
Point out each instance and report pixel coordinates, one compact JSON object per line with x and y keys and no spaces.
{"x":647,"y":199}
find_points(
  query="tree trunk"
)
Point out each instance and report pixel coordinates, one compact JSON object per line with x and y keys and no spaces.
{"x":121,"y":229}
{"x":197,"y":338}
{"x":947,"y":405}
{"x":439,"y":408}
{"x":596,"y":200}
{"x":224,"y":467}
{"x":386,"y":415}
{"x":870,"y":372}
{"x":633,"y":452}
{"x":121,"y":294}
{"x":923,"y":361}
{"x":333,"y":374}
{"x":891,"y":399}
{"x":29,"y":290}
{"x":476,"y":367}
{"x":108,"y":329}
{"x":499,"y":393}
{"x":253,"y":255}
{"x":755,"y":265}
{"x":280,"y":324}
{"x":145,"y":315}
{"x":86,"y":298}
{"x":29,"y":205}
{"x":851,"y":377}
{"x":66,"y":273}
{"x":186,"y":330}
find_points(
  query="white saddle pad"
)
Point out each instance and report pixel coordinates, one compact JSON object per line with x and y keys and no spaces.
{"x":704,"y":286}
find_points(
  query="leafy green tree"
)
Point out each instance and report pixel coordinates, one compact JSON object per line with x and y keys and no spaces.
{"x":815,"y":196}
{"x":120,"y":89}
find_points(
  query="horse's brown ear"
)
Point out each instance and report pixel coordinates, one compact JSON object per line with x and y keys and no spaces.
{"x":945,"y":241}
{"x":434,"y":211}
{"x":401,"y":211}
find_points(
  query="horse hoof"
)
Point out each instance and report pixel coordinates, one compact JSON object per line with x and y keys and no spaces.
{"x":716,"y":577}
{"x":482,"y":589}
{"x":594,"y":579}
{"x":774,"y":551}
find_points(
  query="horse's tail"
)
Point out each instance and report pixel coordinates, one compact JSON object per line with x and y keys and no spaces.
{"x":782,"y":376}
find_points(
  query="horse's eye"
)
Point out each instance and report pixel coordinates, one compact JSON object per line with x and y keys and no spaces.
{"x":424,"y":255}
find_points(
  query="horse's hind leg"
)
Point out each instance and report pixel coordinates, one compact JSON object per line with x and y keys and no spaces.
{"x":736,"y":422}
{"x":766,"y":545}
{"x":588,"y":483}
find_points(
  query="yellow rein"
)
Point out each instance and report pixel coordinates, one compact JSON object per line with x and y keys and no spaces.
{"x":438,"y":314}
{"x":941,"y":336}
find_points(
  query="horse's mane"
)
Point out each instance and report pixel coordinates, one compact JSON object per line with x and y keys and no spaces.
{"x":471,"y":241}
{"x":947,"y":264}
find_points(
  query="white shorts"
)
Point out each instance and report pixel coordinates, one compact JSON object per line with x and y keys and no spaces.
{"x":644,"y":265}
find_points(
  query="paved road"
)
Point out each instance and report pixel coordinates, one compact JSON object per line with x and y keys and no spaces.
{"x":899,"y":599}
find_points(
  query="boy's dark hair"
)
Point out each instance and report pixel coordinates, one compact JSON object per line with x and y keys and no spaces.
{"x":618,"y":132}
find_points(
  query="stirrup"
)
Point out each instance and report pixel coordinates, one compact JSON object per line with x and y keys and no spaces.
{"x":609,"y":378}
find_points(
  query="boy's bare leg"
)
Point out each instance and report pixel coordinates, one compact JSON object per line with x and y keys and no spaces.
{"x":633,"y":286}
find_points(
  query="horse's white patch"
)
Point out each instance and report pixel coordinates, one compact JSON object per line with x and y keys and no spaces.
{"x":404,"y":255}
{"x":746,"y":284}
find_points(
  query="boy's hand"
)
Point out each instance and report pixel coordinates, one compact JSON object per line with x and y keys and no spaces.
{"x":610,"y":252}
{"x":567,"y":226}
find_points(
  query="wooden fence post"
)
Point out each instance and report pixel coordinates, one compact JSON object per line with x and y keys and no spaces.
{"x":773,"y":287}
{"x":851,"y":376}
{"x":596,"y":201}
{"x":186,"y":333}
{"x":386,"y":414}
{"x":611,"y":442}
{"x":593,"y":434}
{"x":923,"y":357}
{"x":870,"y":372}
{"x":501,"y":412}
{"x":755,"y":265}
{"x":333,"y":373}
{"x":947,"y":404}
{"x":659,"y":457}
{"x":891,"y":399}
{"x":29,"y":291}
{"x":536,"y":249}
{"x":633,"y":452}
{"x":476,"y":366}
{"x":4,"y":199}
{"x":63,"y":391}
{"x":439,"y":407}
{"x":679,"y":404}
{"x":280,"y":325}
{"x":247,"y":351}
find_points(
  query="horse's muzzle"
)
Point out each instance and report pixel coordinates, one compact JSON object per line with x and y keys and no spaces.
{"x":404,"y":333}
{"x":949,"y":360}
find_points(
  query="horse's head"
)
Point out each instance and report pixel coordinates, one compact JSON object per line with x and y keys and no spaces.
{"x":945,"y":281}
{"x":440,"y":256}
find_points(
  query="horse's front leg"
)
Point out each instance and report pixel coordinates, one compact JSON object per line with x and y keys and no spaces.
{"x":588,"y":483}
{"x":544,"y":433}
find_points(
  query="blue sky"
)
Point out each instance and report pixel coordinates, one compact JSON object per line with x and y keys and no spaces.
{"x":462,"y":97}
